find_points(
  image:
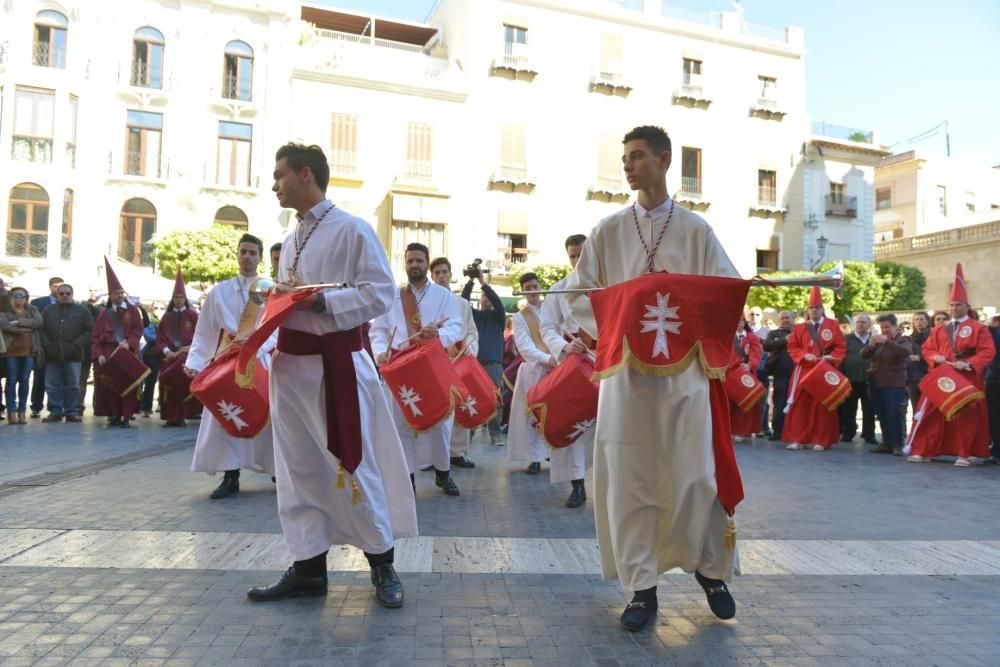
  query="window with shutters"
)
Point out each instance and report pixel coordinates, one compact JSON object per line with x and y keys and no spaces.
{"x":691,"y":171}
{"x":609,"y":164}
{"x":28,"y":221}
{"x":419,"y":151}
{"x":143,"y":138}
{"x":611,"y":67}
{"x":883,"y":199}
{"x":405,"y":232}
{"x":513,"y":152}
{"x":343,"y":156}
{"x":767,"y":187}
{"x":235,"y":144}
{"x":34,"y":118}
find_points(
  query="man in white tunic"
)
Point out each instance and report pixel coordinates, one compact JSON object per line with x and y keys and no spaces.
{"x":524,"y":442}
{"x":460,"y":436}
{"x":328,"y":413}
{"x":561,"y":335}
{"x":421,"y":310}
{"x":216,"y":450}
{"x":656,"y":500}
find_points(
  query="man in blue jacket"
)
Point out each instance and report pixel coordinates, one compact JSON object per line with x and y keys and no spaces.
{"x":38,"y":383}
{"x":490,"y":318}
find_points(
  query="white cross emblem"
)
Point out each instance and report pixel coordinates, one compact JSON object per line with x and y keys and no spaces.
{"x":232,"y":413}
{"x":410,"y":399}
{"x":660,"y":313}
{"x":581,"y":427}
{"x":469,"y":405}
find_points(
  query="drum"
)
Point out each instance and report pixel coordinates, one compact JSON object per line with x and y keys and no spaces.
{"x":241,"y":411}
{"x":826,"y":384}
{"x":123,"y":372}
{"x":743,"y":388}
{"x":479,"y":404}
{"x":949,"y":391}
{"x":564,"y":402}
{"x":173,"y":378}
{"x":424,"y":383}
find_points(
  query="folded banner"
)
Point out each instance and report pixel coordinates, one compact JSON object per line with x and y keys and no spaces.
{"x":564,"y":402}
{"x":949,"y":391}
{"x":659,"y":323}
{"x":279,"y":306}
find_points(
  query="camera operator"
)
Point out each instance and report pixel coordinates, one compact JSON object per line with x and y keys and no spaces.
{"x":489,"y":319}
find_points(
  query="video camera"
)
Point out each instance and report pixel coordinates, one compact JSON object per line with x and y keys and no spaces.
{"x":475,"y":270}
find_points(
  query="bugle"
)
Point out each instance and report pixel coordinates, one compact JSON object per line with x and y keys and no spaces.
{"x":261,"y":288}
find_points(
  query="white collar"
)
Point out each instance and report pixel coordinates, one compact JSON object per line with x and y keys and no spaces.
{"x":313,"y":214}
{"x":961,"y":320}
{"x":662,"y":209}
{"x":818,"y":324}
{"x":863,"y":340}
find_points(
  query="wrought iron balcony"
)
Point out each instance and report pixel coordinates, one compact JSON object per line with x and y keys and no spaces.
{"x":31,"y":149}
{"x":137,"y":163}
{"x":142,"y":76}
{"x":840,"y":205}
{"x":342,"y":162}
{"x":45,"y":55}
{"x":233,"y":90}
{"x":691,"y":186}
{"x":27,"y":244}
{"x":419,"y":170}
{"x":767,"y":195}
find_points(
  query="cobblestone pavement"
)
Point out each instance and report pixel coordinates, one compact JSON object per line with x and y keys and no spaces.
{"x":70,"y":498}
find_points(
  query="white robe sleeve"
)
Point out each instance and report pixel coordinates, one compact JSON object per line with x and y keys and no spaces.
{"x":588,"y":274}
{"x":381,"y":330}
{"x":717,"y":262}
{"x":525,"y":345}
{"x":206,"y":333}
{"x":373,"y":291}
{"x":552,"y":324}
{"x":453,"y":328}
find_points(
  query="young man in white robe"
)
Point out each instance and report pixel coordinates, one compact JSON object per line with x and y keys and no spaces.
{"x":561,"y":335}
{"x":655,"y":495}
{"x":313,"y":452}
{"x":460,"y":436}
{"x":215,"y":450}
{"x":429,"y":313}
{"x":524,"y":442}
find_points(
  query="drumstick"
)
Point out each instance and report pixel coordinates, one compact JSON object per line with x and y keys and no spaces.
{"x":435,"y":324}
{"x":590,"y":353}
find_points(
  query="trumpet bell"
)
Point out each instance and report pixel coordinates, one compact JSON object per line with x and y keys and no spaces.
{"x":260,"y":289}
{"x":832,"y":280}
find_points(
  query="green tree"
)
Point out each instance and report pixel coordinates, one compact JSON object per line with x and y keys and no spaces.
{"x":859,"y":136}
{"x":548,"y":274}
{"x":903,"y":287}
{"x":206,"y":256}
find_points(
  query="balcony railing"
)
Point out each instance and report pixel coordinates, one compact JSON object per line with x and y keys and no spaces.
{"x":613,"y":79}
{"x":841,"y":206}
{"x":27,"y":244}
{"x":31,"y":149}
{"x":43,"y":55}
{"x":142,"y":76}
{"x":691,"y":186}
{"x":232,"y":90}
{"x":768,"y":103}
{"x":137,"y":163}
{"x":420,"y":170}
{"x":367,"y":40}
{"x":512,"y":174}
{"x":342,"y":162}
{"x":767,"y":195}
{"x":607,"y":184}
{"x":824,"y":129}
{"x":237,"y":176}
{"x":127,"y":251}
{"x":66,"y":248}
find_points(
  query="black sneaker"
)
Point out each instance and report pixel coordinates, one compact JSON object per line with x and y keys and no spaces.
{"x":720,"y":601}
{"x":638,"y":613}
{"x":534,"y":468}
{"x":461,"y":462}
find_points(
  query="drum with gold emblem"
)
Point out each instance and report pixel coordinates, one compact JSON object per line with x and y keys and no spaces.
{"x":743,"y":388}
{"x":826,"y":384}
{"x":949,"y":391}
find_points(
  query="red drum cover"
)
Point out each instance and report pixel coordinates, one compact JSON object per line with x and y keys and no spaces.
{"x":564,"y":402}
{"x":826,"y":384}
{"x":173,"y":377}
{"x":123,"y":372}
{"x":743,"y":388}
{"x":949,"y":390}
{"x":424,"y":383}
{"x":479,"y":403}
{"x":242,"y":412}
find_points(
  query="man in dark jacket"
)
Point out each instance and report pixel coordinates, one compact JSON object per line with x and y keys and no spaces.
{"x":780,"y":366}
{"x":856,"y":370}
{"x":489,"y":319}
{"x":38,"y":384}
{"x":67,"y":326}
{"x":993,"y":392}
{"x":887,"y":354}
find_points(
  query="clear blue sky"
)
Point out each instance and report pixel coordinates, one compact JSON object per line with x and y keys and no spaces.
{"x":900,"y":66}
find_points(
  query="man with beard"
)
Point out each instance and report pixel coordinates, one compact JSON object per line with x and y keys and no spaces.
{"x":427,"y":313}
{"x":215,"y":450}
{"x":119,"y":325}
{"x":468,"y":346}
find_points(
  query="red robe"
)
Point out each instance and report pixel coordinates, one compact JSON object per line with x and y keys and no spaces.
{"x":746,"y":423}
{"x":968,"y":434}
{"x":807,"y":421}
{"x":107,"y":403}
{"x":172,"y":406}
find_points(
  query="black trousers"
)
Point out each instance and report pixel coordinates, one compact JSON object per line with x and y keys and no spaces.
{"x":38,"y":389}
{"x":780,"y":399}
{"x":849,"y":413}
{"x":993,"y":409}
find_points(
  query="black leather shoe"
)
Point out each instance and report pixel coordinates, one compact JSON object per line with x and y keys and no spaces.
{"x":446,"y":483}
{"x":534,"y":468}
{"x":720,"y":600}
{"x":881,"y":449}
{"x":291,"y":585}
{"x":577,"y":497}
{"x":115,"y":421}
{"x":461,"y":462}
{"x":638,"y":613}
{"x":230,"y":486}
{"x":388,"y":588}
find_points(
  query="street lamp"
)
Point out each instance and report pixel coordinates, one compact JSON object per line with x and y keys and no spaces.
{"x":821,"y":244}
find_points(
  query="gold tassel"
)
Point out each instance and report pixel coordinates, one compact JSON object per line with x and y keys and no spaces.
{"x":355,"y":492}
{"x":244,"y":377}
{"x":340,"y":476}
{"x":731,"y":534}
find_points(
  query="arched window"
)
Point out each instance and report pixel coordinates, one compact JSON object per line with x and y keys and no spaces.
{"x":237,"y":77}
{"x":66,"y":250}
{"x":28,"y":221}
{"x":147,"y":58}
{"x":138,"y":224}
{"x":49,"y":47}
{"x":232,"y":216}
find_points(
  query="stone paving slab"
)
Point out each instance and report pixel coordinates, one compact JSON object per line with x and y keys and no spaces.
{"x":203,"y":617}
